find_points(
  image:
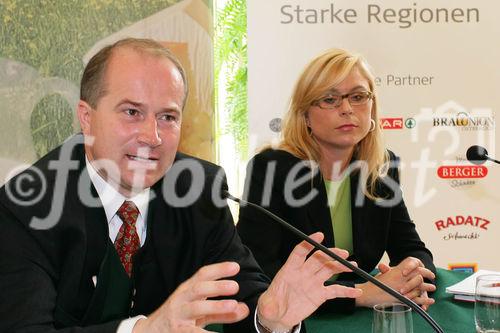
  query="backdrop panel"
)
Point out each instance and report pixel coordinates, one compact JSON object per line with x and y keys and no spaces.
{"x":44,"y":46}
{"x":438,"y":78}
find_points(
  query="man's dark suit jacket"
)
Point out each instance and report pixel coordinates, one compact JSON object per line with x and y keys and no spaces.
{"x":375,"y":229}
{"x":46,"y":275}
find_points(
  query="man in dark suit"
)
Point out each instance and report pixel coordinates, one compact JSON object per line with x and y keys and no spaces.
{"x":97,"y":234}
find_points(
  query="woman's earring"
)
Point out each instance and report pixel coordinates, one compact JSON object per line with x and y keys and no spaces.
{"x":308,"y":126}
{"x":372,"y":125}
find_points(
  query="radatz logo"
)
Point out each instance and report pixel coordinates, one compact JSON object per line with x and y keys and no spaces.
{"x":462,"y":227}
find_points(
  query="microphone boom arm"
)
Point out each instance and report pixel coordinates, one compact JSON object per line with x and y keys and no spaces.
{"x":358,"y":271}
{"x":493,"y":160}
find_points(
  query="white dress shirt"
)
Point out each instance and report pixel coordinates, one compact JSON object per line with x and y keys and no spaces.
{"x":112,"y":200}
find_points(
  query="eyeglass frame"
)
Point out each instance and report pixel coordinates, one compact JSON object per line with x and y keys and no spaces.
{"x":371,"y":96}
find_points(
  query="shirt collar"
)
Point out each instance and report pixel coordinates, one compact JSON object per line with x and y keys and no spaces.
{"x":112,"y":199}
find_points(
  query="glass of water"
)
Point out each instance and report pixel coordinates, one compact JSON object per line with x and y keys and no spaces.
{"x":487,"y":305}
{"x":392,"y":318}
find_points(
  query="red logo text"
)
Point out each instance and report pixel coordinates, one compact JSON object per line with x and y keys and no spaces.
{"x":391,"y":123}
{"x":462,"y":171}
{"x":457,"y":220}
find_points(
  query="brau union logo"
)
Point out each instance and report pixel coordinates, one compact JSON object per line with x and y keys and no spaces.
{"x":465,"y":121}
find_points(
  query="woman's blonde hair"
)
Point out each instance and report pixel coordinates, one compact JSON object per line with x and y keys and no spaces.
{"x":320,"y":75}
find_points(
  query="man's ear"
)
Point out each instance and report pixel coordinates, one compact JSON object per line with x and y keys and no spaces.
{"x":84,"y":114}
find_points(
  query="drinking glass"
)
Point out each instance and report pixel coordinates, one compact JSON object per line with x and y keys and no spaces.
{"x":487,"y":305}
{"x":392,"y":318}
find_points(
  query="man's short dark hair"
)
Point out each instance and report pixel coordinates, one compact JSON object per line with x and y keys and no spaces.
{"x":93,"y":87}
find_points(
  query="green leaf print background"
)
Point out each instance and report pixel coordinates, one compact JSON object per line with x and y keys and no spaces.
{"x":42,"y":44}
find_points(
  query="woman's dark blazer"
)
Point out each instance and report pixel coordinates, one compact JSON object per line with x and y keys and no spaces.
{"x":376,"y":229}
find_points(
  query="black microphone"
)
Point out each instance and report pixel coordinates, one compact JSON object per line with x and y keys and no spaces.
{"x":358,"y":271}
{"x":478,"y":155}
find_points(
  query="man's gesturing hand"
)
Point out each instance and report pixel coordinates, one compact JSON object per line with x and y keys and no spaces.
{"x":188,"y":310}
{"x":298,"y":288}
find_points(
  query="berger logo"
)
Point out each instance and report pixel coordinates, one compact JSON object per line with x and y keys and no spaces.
{"x":391,"y":123}
{"x":462,"y":227}
{"x":462,"y":171}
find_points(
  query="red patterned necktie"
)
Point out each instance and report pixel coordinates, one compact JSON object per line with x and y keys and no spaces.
{"x":127,"y":241}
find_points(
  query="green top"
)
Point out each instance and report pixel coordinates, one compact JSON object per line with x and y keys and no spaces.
{"x":339,"y":201}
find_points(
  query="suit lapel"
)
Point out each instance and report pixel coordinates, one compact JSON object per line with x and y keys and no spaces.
{"x":78,"y":223}
{"x":72,"y":301}
{"x":161,"y":222}
{"x":97,"y":232}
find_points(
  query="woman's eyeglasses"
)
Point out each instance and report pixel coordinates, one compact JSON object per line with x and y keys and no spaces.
{"x":334,"y":101}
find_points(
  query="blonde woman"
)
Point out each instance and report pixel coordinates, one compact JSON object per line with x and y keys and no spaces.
{"x":331,"y":173}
